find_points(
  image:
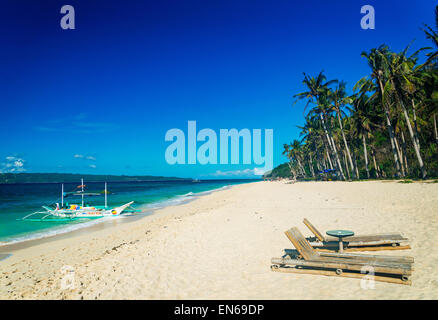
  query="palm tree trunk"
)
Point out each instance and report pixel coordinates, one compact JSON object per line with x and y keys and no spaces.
{"x":324,"y":164}
{"x":436,"y":131}
{"x":376,"y":168}
{"x":400,"y":156}
{"x":337,"y":159}
{"x":355,"y":165}
{"x":394,"y":148}
{"x":346,"y":165}
{"x":303,"y":172}
{"x":411,"y":132}
{"x":311,"y":169}
{"x":311,"y":165}
{"x":329,"y":161}
{"x":345,"y":143}
{"x":320,"y":162}
{"x":332,"y":144}
{"x":327,"y":134}
{"x":365,"y":154}
{"x":415,"y":123}
{"x":405,"y":153}
{"x":390,"y":130}
{"x":292,"y":171}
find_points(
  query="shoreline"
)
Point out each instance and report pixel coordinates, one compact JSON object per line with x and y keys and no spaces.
{"x":8,"y":249}
{"x":220,"y":245}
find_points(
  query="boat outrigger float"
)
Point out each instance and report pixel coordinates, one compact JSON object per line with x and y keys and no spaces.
{"x":75,"y":211}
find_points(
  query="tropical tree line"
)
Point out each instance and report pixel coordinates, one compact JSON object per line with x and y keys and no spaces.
{"x":386,"y":128}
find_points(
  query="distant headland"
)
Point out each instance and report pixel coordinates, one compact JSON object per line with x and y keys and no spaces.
{"x":8,"y":178}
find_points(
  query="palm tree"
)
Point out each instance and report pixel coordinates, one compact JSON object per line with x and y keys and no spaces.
{"x":397,"y":101}
{"x":317,"y":94}
{"x":429,"y":96}
{"x":311,"y":143}
{"x":339,"y":98}
{"x":361,"y":124}
{"x":287,"y":152}
{"x":401,"y":76}
{"x":298,"y":154}
{"x":379,"y":75}
{"x":294,"y":151}
{"x":433,"y":34}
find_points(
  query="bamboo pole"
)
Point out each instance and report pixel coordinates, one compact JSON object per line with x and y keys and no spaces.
{"x":360,"y":249}
{"x":343,"y":274}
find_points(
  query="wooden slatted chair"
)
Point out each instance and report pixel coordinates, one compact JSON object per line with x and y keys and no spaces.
{"x":370,"y":242}
{"x":391,"y":269}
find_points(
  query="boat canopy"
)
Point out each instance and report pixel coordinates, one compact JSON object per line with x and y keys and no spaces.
{"x":80,"y":193}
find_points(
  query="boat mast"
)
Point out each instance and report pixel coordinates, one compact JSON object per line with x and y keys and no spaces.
{"x":62,"y":196}
{"x":82,"y":186}
{"x":105,"y":197}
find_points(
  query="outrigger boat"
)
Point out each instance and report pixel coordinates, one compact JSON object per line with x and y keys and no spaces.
{"x":75,"y":211}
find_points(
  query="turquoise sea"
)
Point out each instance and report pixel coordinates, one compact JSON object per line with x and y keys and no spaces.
{"x":18,"y":200}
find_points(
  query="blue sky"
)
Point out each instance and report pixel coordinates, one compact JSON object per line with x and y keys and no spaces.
{"x":100,"y":98}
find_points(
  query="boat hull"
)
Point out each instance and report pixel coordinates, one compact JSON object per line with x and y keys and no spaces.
{"x":59,"y":215}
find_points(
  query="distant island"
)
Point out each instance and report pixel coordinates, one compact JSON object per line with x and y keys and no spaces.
{"x":281,"y":171}
{"x":8,"y":178}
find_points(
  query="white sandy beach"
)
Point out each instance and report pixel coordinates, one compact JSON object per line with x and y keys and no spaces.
{"x":219,"y":246}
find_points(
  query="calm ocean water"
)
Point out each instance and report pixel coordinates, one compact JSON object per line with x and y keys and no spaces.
{"x":18,"y":200}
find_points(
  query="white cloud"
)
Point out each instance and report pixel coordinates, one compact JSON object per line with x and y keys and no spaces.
{"x":237,"y":173}
{"x":19,"y":163}
{"x":85,"y":158}
{"x":260,"y":171}
{"x":81,"y":156}
{"x":12,"y":165}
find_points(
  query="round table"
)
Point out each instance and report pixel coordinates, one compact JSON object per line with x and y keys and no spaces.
{"x":340,"y":234}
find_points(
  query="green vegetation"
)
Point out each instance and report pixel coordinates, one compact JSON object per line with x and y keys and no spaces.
{"x":387,"y":128}
{"x":282,"y":171}
{"x":406,"y":181}
{"x":68,"y":177}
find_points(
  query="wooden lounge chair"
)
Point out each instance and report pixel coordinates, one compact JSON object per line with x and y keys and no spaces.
{"x":391,"y":269}
{"x":370,"y":242}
